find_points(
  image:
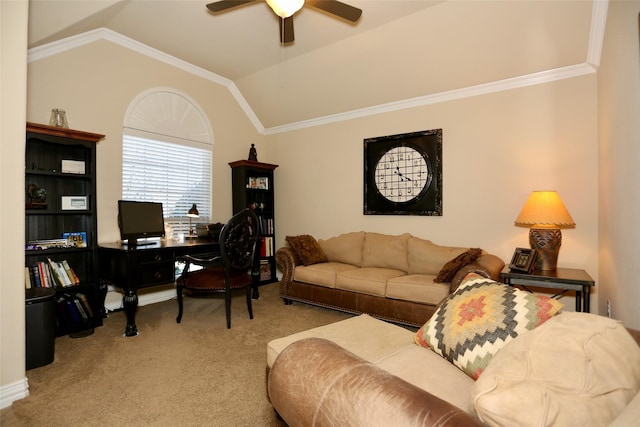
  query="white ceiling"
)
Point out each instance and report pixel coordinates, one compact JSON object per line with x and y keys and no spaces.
{"x":398,"y":51}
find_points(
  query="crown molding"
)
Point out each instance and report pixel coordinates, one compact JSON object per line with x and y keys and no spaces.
{"x":596,"y":34}
{"x":467,"y":92}
{"x":596,"y":37}
{"x":54,"y":48}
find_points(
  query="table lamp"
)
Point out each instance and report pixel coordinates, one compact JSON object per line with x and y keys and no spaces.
{"x":193,"y":213}
{"x":545,"y":214}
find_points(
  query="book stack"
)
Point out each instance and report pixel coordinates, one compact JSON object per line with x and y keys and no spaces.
{"x":74,"y":310}
{"x":266,"y":247}
{"x":50,"y":274}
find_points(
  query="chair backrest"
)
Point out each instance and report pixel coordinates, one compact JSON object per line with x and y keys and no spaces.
{"x":238,"y":240}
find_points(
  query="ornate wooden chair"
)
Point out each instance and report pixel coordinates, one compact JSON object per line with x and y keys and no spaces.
{"x":229,"y":271}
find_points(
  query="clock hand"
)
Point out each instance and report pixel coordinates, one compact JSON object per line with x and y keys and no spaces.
{"x":402,"y":177}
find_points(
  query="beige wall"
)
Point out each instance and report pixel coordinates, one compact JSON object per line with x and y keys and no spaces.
{"x":13,"y":84}
{"x":497,"y":148}
{"x":619,"y":135}
{"x":96,"y":83}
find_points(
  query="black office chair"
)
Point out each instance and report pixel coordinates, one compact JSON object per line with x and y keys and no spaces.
{"x":229,"y":271}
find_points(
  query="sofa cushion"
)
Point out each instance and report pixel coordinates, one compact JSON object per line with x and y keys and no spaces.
{"x":430,"y":372}
{"x":577,"y":369}
{"x":306,"y":249}
{"x":425,"y":257}
{"x":479,"y":318}
{"x":385,"y":251}
{"x":323,"y":274}
{"x":345,"y":248}
{"x":417,"y":288}
{"x":449,"y":270}
{"x":368,"y":337}
{"x":370,"y":281}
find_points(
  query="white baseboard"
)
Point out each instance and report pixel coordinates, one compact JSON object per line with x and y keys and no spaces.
{"x":113,"y":301}
{"x":9,"y":393}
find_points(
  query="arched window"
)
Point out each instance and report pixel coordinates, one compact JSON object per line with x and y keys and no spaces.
{"x":166,"y":156}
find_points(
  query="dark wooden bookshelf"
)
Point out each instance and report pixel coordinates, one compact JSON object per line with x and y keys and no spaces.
{"x":253,"y":187}
{"x":67,"y":206}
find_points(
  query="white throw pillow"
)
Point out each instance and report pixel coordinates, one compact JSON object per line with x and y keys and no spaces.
{"x":577,"y":369}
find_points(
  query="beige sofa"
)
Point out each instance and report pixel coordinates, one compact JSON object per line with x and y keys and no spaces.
{"x":393,"y":278}
{"x":575,"y":369}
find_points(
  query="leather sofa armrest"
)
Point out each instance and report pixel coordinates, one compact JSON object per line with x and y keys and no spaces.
{"x":286,"y":261}
{"x":316,"y":382}
{"x":486,"y":265}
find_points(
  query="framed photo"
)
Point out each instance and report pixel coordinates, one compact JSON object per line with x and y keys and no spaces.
{"x":74,"y":203}
{"x":403,"y":174}
{"x":522,"y":260}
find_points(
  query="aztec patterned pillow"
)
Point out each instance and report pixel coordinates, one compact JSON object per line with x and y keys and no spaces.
{"x":479,"y":318}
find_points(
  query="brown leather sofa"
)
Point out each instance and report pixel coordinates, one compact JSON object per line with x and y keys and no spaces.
{"x":363,"y":372}
{"x":388,"y":277}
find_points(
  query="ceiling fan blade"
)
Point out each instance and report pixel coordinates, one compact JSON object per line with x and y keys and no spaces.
{"x":222,"y":5}
{"x":286,"y":30}
{"x":337,"y":8}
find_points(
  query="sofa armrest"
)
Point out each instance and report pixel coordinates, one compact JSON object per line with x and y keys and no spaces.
{"x":486,"y":265}
{"x":286,"y":260}
{"x":316,"y":382}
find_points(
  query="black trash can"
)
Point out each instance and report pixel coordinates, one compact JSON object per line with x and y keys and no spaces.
{"x":40,"y":327}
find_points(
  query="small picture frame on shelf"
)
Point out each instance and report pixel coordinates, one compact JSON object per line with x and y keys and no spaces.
{"x":73,"y":166}
{"x":523,"y":260}
{"x":74,"y":203}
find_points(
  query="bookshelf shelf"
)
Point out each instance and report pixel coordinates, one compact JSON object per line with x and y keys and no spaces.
{"x":252,"y":187}
{"x":48,"y":151}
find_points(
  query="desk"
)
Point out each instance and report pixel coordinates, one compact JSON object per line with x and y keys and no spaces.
{"x":144,"y":266}
{"x":566,"y":279}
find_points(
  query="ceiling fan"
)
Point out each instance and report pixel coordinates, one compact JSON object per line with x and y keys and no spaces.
{"x":286,"y":8}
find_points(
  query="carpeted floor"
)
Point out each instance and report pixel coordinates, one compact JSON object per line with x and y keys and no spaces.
{"x":191,"y":374}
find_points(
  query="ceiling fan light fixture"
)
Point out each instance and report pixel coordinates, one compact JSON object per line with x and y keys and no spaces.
{"x":285,"y":8}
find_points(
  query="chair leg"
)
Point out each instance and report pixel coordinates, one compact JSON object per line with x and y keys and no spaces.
{"x":179,"y":292}
{"x":227,"y":303}
{"x":249,"y":307}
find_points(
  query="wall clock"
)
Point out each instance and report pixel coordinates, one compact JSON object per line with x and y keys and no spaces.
{"x":403,"y":174}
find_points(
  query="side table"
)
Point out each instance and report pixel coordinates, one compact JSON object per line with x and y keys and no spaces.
{"x":566,"y":279}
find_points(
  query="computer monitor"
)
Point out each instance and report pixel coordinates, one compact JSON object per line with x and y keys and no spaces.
{"x":139,"y":220}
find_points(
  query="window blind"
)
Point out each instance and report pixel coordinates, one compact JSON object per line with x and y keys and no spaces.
{"x":173,"y":173}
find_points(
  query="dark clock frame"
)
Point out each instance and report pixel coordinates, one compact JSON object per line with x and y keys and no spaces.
{"x":429,"y":203}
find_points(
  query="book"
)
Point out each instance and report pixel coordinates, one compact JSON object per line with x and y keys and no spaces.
{"x":73,"y":277}
{"x":44,"y":275}
{"x":265,"y":270}
{"x":58,"y":273}
{"x":36,"y":275}
{"x":27,"y":278}
{"x":85,"y":303}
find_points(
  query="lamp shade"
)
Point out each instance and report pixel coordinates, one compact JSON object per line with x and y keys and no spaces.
{"x":544,"y":209}
{"x":285,"y":8}
{"x":193,"y":212}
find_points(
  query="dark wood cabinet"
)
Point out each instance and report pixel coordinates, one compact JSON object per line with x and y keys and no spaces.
{"x":61,"y":223}
{"x":253,"y":186}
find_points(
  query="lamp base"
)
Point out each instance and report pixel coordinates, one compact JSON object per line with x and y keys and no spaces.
{"x":546,"y":242}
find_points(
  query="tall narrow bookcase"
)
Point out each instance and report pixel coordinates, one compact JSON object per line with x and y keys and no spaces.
{"x":253,"y":185}
{"x":61,"y":223}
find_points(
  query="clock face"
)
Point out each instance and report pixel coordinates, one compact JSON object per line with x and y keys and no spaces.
{"x":402,"y":174}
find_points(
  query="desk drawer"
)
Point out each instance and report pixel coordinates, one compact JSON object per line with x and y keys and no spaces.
{"x":155,"y":273}
{"x":154,"y":256}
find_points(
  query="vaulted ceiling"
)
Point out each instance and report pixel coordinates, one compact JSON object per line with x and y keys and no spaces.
{"x":398,"y":53}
